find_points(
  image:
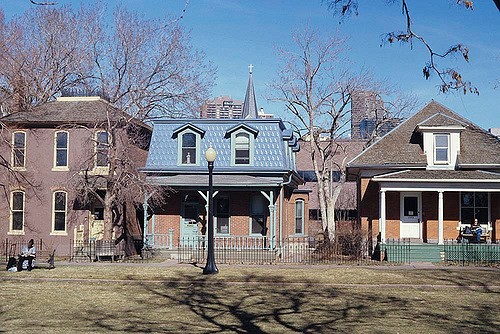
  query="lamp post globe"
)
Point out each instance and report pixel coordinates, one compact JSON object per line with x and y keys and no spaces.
{"x":210,"y":267}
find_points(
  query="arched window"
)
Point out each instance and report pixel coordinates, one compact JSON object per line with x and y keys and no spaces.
{"x":61,"y":149}
{"x":18,"y":149}
{"x":299,"y":216}
{"x":188,"y":151}
{"x":17,"y":211}
{"x":59,"y":211}
{"x":242,"y":149}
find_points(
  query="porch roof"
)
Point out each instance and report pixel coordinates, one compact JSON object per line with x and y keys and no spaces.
{"x":439,"y":176}
{"x":219,"y":181}
{"x":439,"y":180}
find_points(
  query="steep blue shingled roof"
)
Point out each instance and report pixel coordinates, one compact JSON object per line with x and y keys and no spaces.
{"x":269,"y":150}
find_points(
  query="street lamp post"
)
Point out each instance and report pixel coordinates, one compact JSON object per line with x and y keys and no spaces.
{"x":210,"y":267}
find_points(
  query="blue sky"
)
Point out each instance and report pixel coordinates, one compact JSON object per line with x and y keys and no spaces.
{"x":235,"y":33}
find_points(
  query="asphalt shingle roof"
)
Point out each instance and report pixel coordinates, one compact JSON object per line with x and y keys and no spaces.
{"x":71,"y":110}
{"x":402,"y":147}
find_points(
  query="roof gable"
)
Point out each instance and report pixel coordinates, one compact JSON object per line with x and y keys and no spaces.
{"x":189,"y":126}
{"x":401,"y":146}
{"x":243,"y":126}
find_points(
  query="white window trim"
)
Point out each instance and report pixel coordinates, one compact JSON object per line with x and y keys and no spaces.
{"x":61,"y":168}
{"x":435,"y":147}
{"x":302,"y":204}
{"x":11,"y":218}
{"x":53,"y":231}
{"x":197,"y":148}
{"x":251,"y":147}
{"x":23,"y":167}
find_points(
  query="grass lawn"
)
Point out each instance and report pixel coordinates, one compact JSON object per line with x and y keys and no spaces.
{"x":274,"y":299}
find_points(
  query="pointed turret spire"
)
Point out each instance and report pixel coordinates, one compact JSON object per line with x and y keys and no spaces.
{"x":250,"y":104}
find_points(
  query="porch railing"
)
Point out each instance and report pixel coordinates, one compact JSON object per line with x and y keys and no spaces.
{"x":471,"y":254}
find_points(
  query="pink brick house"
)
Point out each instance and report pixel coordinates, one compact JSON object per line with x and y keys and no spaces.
{"x":42,"y":151}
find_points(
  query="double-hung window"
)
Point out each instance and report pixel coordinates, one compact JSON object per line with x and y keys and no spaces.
{"x":59,"y":212}
{"x":222,"y":215}
{"x":102,"y":149}
{"x":61,"y":149}
{"x":188,"y":149}
{"x":441,"y":148}
{"x":299,"y":216}
{"x":18,"y":149}
{"x":242,"y":149}
{"x":17,"y":212}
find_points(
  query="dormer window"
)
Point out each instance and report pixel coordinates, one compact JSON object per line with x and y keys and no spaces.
{"x":242,"y":144}
{"x":441,"y":141}
{"x":188,"y":144}
{"x":442,"y":148}
{"x":188,"y":151}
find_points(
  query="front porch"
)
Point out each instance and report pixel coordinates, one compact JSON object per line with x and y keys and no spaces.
{"x":433,"y":212}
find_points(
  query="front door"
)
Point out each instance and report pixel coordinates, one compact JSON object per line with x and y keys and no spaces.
{"x":411,"y":208}
{"x":189,"y":223}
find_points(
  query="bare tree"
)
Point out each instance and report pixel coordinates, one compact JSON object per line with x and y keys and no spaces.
{"x":316,"y":89}
{"x":450,"y":78}
{"x":144,"y":68}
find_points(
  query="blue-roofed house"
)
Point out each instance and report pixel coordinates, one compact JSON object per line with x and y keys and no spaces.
{"x":254,"y":178}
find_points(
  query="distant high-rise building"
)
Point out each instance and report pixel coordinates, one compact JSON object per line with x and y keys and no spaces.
{"x":226,"y":107}
{"x":222,"y":107}
{"x":368,"y":117}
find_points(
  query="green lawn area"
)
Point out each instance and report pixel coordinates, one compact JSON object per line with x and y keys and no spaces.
{"x":273,"y":299}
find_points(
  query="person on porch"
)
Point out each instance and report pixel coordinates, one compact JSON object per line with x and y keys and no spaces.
{"x":477,"y":230}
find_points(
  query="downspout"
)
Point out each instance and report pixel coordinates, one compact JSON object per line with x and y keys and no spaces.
{"x":281,"y":210}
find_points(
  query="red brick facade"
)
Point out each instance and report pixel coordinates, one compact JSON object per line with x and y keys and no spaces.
{"x":369,"y":213}
{"x":169,"y":217}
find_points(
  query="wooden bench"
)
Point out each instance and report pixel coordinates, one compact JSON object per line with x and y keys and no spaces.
{"x":472,"y":237}
{"x":45,"y":257}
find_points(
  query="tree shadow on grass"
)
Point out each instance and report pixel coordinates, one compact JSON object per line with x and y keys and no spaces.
{"x":270,"y":304}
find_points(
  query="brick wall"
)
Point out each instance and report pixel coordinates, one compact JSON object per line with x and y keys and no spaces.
{"x":168,"y":217}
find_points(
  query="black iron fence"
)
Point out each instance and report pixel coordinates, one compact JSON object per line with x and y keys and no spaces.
{"x":471,"y":254}
{"x":259,"y":250}
{"x":14,"y":247}
{"x":96,"y":250}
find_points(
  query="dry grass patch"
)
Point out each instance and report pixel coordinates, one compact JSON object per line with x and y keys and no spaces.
{"x":140,"y":299}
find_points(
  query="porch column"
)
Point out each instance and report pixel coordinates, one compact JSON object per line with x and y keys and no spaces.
{"x":382,"y":216}
{"x":440,"y":218}
{"x":272,"y":217}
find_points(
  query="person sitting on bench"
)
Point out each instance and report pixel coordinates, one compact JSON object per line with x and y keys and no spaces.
{"x":28,"y":254}
{"x":477,"y":230}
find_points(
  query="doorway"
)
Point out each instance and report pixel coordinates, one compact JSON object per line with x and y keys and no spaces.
{"x":410,"y":215}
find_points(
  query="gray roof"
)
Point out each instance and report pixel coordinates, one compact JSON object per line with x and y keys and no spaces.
{"x":250,"y":104}
{"x":201,"y":181}
{"x":442,"y":175}
{"x":403,"y":147}
{"x":84,"y":110}
{"x":269,"y":150}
